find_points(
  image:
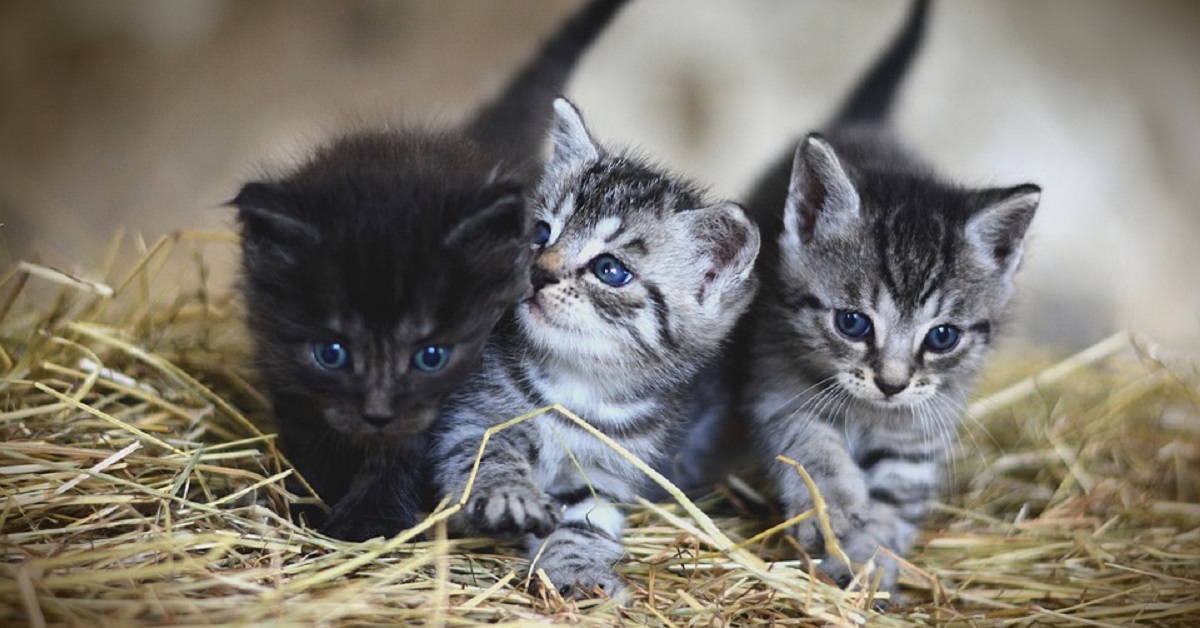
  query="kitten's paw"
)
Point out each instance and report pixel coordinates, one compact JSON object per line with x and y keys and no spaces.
{"x":885,"y":570}
{"x":513,"y":512}
{"x":843,"y":521}
{"x":580,"y":565}
{"x":582,"y":584}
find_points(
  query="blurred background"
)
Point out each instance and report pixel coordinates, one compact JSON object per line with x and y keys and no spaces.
{"x":148,"y":115}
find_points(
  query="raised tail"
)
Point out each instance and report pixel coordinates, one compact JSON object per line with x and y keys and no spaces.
{"x":872,"y":99}
{"x":515,"y":123}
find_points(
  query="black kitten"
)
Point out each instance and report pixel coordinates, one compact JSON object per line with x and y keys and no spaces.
{"x":374,"y":273}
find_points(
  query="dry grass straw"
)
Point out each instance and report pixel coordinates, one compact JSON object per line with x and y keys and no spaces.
{"x":136,"y":489}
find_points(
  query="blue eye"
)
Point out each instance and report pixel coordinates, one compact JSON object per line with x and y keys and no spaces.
{"x":541,"y":233}
{"x":431,"y":359}
{"x":610,"y":270}
{"x":852,"y":323}
{"x":330,"y":356}
{"x":942,"y":338}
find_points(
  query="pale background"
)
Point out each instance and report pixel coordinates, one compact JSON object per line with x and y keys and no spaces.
{"x":148,"y":114}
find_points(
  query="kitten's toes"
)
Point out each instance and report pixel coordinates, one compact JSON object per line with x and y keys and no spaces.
{"x":808,"y":535}
{"x":885,"y":569}
{"x":514,"y":512}
{"x":579,"y":563}
{"x":581,"y":584}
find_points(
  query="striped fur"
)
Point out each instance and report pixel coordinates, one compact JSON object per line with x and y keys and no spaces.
{"x":852,"y":223}
{"x":867,"y":228}
{"x":619,"y":357}
{"x":870,"y":417}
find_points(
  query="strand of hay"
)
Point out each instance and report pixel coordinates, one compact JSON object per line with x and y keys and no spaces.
{"x":136,"y":488}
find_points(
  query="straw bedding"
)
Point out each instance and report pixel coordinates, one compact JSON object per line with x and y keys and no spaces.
{"x":137,"y":486}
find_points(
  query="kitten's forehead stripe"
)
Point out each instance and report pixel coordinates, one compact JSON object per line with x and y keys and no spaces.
{"x":913,"y":251}
{"x":614,"y":188}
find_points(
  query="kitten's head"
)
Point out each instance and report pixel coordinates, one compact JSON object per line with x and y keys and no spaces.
{"x":633,"y":269}
{"x":374,"y":273}
{"x":893,"y":282}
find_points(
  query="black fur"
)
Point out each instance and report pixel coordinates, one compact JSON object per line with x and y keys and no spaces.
{"x":869,"y":104}
{"x":388,"y":242}
{"x":366,"y":245}
{"x":517,"y":121}
{"x":872,"y":99}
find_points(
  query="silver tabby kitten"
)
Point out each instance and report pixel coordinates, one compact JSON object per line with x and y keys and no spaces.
{"x":637,"y":281}
{"x":885,"y":288}
{"x":882,"y":286}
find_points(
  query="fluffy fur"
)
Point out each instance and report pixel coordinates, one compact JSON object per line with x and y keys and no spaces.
{"x":883,"y":286}
{"x":373,"y":275}
{"x":618,"y":354}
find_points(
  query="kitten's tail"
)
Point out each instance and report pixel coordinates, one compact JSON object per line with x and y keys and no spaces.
{"x":517,"y":120}
{"x":873,"y":97}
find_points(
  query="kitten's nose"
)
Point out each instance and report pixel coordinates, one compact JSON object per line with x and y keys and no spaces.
{"x":378,"y":420}
{"x":540,"y":278}
{"x":377,"y":406}
{"x":888,"y":389}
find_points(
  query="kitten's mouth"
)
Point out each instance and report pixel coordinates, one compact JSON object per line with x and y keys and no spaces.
{"x":535,"y":311}
{"x":535,"y":314}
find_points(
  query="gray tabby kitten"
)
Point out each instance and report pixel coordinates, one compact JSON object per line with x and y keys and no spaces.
{"x":882,"y":288}
{"x":637,"y":281}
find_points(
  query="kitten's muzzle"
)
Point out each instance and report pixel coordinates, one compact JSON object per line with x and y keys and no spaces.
{"x":406,"y":422}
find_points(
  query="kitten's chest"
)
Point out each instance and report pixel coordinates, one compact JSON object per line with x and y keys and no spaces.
{"x":568,"y":452}
{"x":627,"y":419}
{"x":569,"y":457}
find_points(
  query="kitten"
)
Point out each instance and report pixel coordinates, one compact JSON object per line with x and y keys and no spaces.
{"x":373,"y":275}
{"x":637,"y":280}
{"x":883,"y":286}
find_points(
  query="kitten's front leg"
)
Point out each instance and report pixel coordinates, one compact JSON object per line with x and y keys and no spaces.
{"x":579,"y":556}
{"x":823,"y":454}
{"x":883,"y":528}
{"x":504,"y":502}
{"x":382,"y":499}
{"x":900,"y":487}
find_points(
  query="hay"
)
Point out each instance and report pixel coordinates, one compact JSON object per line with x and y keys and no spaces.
{"x":135,"y":488}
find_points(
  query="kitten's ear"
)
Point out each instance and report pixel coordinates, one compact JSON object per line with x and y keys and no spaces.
{"x":821,"y":198}
{"x":997,"y":231}
{"x":502,"y":218}
{"x":573,"y":145}
{"x":263,"y":211}
{"x":726,"y":242}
